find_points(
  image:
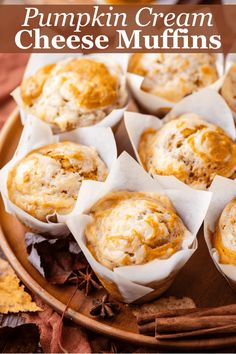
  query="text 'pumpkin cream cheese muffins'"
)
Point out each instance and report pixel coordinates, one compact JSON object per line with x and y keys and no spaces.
{"x":189,"y":148}
{"x":47,"y":180}
{"x":135,"y":233}
{"x":75,"y":92}
{"x":131,"y":228}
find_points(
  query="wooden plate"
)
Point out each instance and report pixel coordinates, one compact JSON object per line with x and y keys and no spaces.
{"x":199,"y":279}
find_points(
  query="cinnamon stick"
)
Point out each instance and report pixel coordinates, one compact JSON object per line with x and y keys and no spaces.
{"x":201,"y":332}
{"x":194,"y":312}
{"x":146,"y":318}
{"x":187,"y":323}
{"x":148,"y":328}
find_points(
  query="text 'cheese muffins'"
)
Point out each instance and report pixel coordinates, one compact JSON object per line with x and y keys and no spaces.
{"x":228,"y":90}
{"x":131,"y":228}
{"x":74,"y":92}
{"x":48,"y":179}
{"x":189,"y":148}
{"x":175,"y":75}
{"x":225,"y":234}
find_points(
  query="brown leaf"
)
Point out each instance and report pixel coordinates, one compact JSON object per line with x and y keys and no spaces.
{"x":55,"y":259}
{"x":13,"y":297}
{"x":71,"y":337}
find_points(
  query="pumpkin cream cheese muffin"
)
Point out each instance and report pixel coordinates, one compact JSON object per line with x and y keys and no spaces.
{"x":74,"y":92}
{"x":174,"y":76}
{"x":131,"y":228}
{"x":225,"y":234}
{"x":48,"y":179}
{"x":228,"y":90}
{"x":189,"y":148}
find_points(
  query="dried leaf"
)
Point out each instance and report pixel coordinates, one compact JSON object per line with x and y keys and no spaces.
{"x":72,"y":338}
{"x":55,"y":259}
{"x":13,"y":297}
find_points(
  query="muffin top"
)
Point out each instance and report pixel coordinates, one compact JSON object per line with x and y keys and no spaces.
{"x":189,"y":148}
{"x":175,"y":75}
{"x":225,"y":235}
{"x":130,"y":228}
{"x":74,"y":92}
{"x":48,"y":179}
{"x":228,"y":90}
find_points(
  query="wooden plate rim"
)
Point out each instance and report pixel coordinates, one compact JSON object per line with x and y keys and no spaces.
{"x":79,"y":318}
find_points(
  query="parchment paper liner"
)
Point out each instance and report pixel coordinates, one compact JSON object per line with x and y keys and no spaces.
{"x":37,"y":134}
{"x":207,"y":103}
{"x":139,"y":282}
{"x":38,"y":60}
{"x":229,"y":60}
{"x":223,"y":191}
{"x":157,"y":105}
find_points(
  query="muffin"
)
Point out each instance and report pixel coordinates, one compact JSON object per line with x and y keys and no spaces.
{"x":228,"y":90}
{"x":189,"y":148}
{"x":175,"y":75}
{"x":132,"y":228}
{"x":48,"y":179}
{"x":225,"y":234}
{"x":74,"y":93}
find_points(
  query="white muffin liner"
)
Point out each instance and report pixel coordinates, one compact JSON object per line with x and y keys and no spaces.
{"x":206,"y":103}
{"x":37,"y":134}
{"x":154,"y":104}
{"x":223,"y":191}
{"x":36,"y":61}
{"x":229,"y":60}
{"x":135,"y":282}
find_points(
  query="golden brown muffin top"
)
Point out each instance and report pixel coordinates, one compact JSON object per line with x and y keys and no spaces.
{"x":75,"y":92}
{"x":48,"y":179}
{"x":173,"y":76}
{"x":96,"y":88}
{"x":189,"y":148}
{"x":131,"y":228}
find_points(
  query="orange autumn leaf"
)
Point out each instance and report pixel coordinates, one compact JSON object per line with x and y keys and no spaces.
{"x":13,"y":297}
